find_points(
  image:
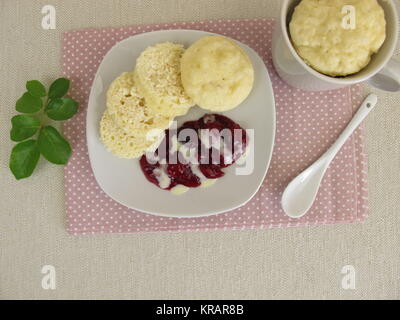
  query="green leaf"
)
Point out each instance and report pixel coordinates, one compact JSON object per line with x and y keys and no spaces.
{"x":36,"y":88}
{"x":53,"y":146}
{"x":24,"y":158}
{"x":58,"y":88}
{"x":61,"y":108}
{"x":23,"y":127}
{"x":28,"y":103}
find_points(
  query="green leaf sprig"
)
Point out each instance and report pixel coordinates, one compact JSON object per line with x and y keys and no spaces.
{"x":49,"y":143}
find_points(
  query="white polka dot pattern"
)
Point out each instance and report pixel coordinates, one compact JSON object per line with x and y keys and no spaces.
{"x":307,"y":123}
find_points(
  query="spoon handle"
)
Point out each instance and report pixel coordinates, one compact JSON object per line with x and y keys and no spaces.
{"x":365,"y":108}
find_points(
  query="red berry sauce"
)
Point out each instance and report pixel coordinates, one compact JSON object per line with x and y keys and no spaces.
{"x":215,"y":142}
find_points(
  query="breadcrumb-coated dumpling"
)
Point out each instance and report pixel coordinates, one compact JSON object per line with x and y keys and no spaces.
{"x":158,"y":79}
{"x":216,"y":73}
{"x":321,"y":41}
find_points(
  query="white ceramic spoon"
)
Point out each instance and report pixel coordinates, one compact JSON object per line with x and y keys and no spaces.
{"x":300,"y":194}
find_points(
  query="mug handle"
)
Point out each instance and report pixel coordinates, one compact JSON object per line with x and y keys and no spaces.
{"x":388,"y":78}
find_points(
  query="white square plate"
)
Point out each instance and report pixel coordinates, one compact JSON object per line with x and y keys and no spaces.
{"x":123,"y":179}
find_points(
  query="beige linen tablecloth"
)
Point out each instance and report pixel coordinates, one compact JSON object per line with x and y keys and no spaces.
{"x":280,"y":263}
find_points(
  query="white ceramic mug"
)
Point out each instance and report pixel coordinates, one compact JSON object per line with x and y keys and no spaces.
{"x":382,"y":72}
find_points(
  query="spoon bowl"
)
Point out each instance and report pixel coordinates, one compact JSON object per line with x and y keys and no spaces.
{"x":300,"y":194}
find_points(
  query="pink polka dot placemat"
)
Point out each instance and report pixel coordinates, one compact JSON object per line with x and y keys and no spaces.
{"x":307,"y":123}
